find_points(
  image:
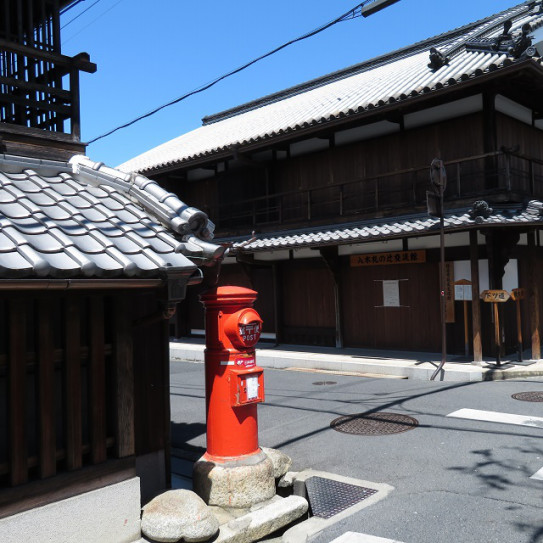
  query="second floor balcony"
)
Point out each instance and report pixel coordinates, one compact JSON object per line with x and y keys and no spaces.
{"x":39,"y":89}
{"x":495,"y":177}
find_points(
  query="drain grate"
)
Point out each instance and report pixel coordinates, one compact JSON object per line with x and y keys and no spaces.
{"x":321,"y":383}
{"x":535,"y":396}
{"x":328,"y":497}
{"x":374,"y":424}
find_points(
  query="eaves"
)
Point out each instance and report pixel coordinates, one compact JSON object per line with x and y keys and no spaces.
{"x":462,"y":84}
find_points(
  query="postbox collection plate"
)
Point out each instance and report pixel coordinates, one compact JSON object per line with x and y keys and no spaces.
{"x":246,"y":386}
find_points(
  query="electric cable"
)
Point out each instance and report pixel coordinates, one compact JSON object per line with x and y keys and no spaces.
{"x":93,"y":21}
{"x":348,"y":15}
{"x":70,"y":6}
{"x":79,"y":14}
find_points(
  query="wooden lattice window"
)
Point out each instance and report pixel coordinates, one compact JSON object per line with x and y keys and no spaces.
{"x":66,"y":384}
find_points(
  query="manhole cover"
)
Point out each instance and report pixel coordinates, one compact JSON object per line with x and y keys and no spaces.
{"x":328,"y":497}
{"x":529,"y":396}
{"x":321,"y":383}
{"x":374,"y":424}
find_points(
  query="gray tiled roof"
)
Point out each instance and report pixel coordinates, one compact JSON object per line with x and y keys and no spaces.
{"x":394,"y":78}
{"x":82,"y":219}
{"x":397,"y":227}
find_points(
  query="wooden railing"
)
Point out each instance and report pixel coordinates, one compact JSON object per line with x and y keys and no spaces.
{"x":40,"y":89}
{"x":503,"y":175}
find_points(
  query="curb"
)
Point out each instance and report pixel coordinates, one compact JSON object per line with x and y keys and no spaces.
{"x":365,"y":366}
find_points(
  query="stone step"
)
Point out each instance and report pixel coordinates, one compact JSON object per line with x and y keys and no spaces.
{"x":263,"y":521}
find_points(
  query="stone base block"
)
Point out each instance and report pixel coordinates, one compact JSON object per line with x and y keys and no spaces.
{"x":238,"y":483}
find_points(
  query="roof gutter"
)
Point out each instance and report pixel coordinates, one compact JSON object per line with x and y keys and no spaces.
{"x":78,"y":284}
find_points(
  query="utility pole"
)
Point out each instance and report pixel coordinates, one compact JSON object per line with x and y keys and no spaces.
{"x":438,"y":178}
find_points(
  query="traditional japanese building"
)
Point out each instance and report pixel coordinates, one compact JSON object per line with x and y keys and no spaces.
{"x":333,"y":177}
{"x":93,"y":262}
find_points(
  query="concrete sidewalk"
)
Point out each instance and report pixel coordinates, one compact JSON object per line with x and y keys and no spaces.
{"x":374,"y":363}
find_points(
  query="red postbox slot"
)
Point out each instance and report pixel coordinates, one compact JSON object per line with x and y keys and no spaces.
{"x":246,"y":386}
{"x":243,"y":328}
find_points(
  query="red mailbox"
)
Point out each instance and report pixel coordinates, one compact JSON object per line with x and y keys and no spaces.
{"x":234,"y":383}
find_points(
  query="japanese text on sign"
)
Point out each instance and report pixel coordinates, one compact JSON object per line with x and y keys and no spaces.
{"x":391,"y":294}
{"x":252,"y":387}
{"x":249,"y":332}
{"x":495,"y":296}
{"x":246,"y":362}
{"x":462,"y":292}
{"x":384,"y":259}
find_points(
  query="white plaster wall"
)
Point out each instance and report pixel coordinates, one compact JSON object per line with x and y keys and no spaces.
{"x":272,"y":255}
{"x":373,"y":247}
{"x":106,"y":515}
{"x":462,"y":270}
{"x":433,"y":242}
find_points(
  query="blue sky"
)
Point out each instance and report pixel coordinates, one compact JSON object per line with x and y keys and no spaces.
{"x":149,"y":53}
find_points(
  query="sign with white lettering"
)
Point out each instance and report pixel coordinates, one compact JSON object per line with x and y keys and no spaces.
{"x":246,"y":361}
{"x":250,"y":332}
{"x":495,"y":296}
{"x":384,"y":259}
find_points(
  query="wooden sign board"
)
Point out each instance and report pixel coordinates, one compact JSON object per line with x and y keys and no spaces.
{"x":495,"y":296}
{"x":462,"y":290}
{"x":384,"y":259}
{"x":518,"y":294}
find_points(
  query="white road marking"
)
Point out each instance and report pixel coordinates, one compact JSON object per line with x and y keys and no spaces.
{"x":504,"y":418}
{"x":495,"y":416}
{"x":355,"y":537}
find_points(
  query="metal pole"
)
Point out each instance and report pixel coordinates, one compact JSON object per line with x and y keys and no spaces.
{"x":442,"y":281}
{"x":440,"y":182}
{"x":466,"y":329}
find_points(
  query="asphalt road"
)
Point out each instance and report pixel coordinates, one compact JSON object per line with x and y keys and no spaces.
{"x":455,"y":480}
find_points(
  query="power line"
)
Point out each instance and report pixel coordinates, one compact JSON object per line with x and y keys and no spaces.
{"x":93,"y":21}
{"x":70,"y":6}
{"x":353,"y":13}
{"x":79,"y":14}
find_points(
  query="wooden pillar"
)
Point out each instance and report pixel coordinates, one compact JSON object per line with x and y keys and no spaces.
{"x":277,"y":303}
{"x":475,"y":303}
{"x":165,"y":359}
{"x":533,"y":296}
{"x":490,"y":139}
{"x":124,"y":379}
{"x":46,"y":390}
{"x":72,"y":384}
{"x":17,"y":406}
{"x":97,"y":381}
{"x":330,"y":256}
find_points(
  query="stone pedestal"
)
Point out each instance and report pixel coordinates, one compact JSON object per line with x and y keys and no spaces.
{"x":237,"y":483}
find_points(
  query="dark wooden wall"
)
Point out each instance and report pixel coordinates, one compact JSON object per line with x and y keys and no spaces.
{"x":452,"y":139}
{"x":414,"y":326}
{"x":308,"y":311}
{"x":190,"y":313}
{"x":80,"y":389}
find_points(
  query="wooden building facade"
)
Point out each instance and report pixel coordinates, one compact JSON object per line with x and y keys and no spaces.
{"x":93,"y":263}
{"x":332,"y":177}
